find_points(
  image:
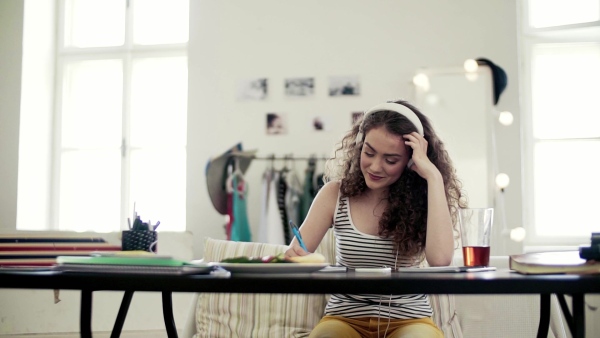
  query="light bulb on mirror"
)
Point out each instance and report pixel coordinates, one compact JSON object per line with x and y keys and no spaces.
{"x":470,"y":66}
{"x":422,"y":81}
{"x":505,"y":118}
{"x":518,"y":234}
{"x":502,"y":181}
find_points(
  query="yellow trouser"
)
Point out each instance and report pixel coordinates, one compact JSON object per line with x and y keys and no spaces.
{"x":373,"y":327}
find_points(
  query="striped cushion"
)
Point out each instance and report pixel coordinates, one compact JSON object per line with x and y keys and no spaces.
{"x":445,"y":315}
{"x":256,"y":315}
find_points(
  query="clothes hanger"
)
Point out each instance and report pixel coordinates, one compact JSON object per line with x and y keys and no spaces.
{"x":237,"y":173}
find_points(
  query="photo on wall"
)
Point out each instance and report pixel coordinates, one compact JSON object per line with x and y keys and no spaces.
{"x":319,"y":123}
{"x":344,"y":86}
{"x":276,"y":123}
{"x":300,"y":87}
{"x":252,"y":89}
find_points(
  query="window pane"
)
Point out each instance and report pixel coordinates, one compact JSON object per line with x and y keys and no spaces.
{"x":90,"y":190}
{"x":158,"y":180}
{"x":566,"y":185}
{"x":159,"y":102}
{"x":565,"y":86}
{"x":160,"y":21}
{"x":547,"y":13}
{"x":94,"y":23}
{"x":92,"y":104}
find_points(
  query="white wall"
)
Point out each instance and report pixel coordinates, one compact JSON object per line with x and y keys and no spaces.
{"x":11,"y":32}
{"x":382,"y":41}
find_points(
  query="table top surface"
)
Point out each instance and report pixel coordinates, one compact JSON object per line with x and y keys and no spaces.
{"x":490,"y":282}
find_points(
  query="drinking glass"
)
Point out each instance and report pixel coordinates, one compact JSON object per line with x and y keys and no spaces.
{"x":475,"y":230}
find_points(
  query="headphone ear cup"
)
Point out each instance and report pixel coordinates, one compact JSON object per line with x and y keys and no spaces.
{"x":358,"y":140}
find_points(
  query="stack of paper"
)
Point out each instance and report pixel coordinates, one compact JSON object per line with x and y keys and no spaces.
{"x":130,"y":262}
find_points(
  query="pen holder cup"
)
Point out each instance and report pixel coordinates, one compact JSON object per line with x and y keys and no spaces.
{"x":144,"y":240}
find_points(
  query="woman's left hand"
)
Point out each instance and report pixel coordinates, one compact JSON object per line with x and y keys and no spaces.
{"x":420,"y":162}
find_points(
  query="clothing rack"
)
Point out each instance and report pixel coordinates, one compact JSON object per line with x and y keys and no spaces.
{"x":273,"y":157}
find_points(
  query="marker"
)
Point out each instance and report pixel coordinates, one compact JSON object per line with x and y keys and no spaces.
{"x":298,"y":236}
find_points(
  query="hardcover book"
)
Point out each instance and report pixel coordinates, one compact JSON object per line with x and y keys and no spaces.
{"x":42,"y":250}
{"x":553,"y":262}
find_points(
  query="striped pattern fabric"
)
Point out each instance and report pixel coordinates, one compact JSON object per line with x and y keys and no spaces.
{"x":360,"y":250}
{"x":256,"y":315}
{"x":253,"y":315}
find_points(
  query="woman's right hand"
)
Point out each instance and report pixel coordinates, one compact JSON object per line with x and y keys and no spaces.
{"x":295,"y":250}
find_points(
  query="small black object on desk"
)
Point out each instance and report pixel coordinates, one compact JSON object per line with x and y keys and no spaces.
{"x":591,"y":252}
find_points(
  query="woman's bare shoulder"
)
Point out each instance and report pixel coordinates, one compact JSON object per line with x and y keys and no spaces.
{"x":331,"y":188}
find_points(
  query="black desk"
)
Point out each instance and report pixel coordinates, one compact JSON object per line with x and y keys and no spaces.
{"x":496,"y":282}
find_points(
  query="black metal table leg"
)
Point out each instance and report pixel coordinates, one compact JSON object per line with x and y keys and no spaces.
{"x":167,"y":305}
{"x":578,"y":316}
{"x":566,"y":312}
{"x":118,"y":327}
{"x":576,"y":321}
{"x":544,"y":315}
{"x":85,"y":315}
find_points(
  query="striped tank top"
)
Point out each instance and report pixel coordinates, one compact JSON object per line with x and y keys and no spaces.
{"x":355,"y":249}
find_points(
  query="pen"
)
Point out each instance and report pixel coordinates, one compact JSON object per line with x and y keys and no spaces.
{"x":298,"y":236}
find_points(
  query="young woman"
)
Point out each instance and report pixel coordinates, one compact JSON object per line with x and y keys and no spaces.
{"x":391,"y":197}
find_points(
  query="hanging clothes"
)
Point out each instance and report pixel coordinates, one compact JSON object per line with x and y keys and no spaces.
{"x":281,"y":192}
{"x":229,"y":218}
{"x":293,"y":197}
{"x":270,"y":227}
{"x":308,"y":193}
{"x":276,"y":234}
{"x":240,"y":229}
{"x":263,"y":225}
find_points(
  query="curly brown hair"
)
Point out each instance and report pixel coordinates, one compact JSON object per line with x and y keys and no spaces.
{"x":405,"y":218}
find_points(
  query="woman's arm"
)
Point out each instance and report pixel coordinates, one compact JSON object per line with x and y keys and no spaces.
{"x":318,"y":220}
{"x":439,"y":241}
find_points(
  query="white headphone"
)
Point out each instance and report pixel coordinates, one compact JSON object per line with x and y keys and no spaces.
{"x":395,"y":107}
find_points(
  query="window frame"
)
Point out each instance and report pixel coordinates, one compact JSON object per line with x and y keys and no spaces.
{"x":127,"y":53}
{"x":588,"y":32}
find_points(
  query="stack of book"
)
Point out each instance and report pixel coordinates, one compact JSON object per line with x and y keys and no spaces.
{"x":41,"y":250}
{"x":131,"y":262}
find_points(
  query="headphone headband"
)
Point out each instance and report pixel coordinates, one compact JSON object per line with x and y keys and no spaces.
{"x":395,"y":107}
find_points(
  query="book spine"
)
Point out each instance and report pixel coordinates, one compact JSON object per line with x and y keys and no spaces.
{"x":28,"y":262}
{"x":12,"y":239}
{"x":58,"y":247}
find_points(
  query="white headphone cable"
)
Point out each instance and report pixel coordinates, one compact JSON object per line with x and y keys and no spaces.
{"x":389,"y":304}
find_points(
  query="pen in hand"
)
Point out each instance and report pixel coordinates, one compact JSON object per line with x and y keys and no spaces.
{"x":298,"y":236}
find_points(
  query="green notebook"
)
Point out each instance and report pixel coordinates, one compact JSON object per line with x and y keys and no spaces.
{"x":151,"y":264}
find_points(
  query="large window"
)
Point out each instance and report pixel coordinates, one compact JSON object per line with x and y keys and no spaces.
{"x":561,"y":44}
{"x":119,"y":127}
